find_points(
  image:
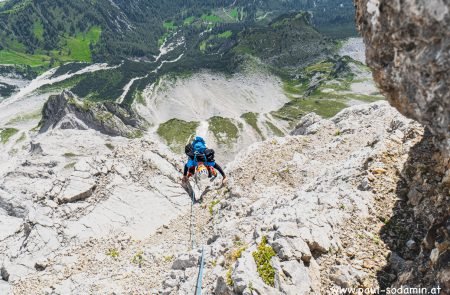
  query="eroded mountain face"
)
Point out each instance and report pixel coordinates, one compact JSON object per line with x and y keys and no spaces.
{"x":408,"y":48}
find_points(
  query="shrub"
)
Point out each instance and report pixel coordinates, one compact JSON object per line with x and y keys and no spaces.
{"x":262,"y":257}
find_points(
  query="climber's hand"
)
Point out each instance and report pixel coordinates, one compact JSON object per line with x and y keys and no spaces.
{"x":225,"y":180}
{"x":184,"y":179}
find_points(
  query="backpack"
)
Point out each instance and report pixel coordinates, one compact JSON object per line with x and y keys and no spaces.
{"x":199,"y":145}
{"x":197,"y":151}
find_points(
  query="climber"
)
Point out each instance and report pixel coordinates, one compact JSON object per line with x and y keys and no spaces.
{"x":202,"y":160}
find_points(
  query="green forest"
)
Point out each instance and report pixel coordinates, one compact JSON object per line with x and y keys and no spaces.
{"x":47,"y":33}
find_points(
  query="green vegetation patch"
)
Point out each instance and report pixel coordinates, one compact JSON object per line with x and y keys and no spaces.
{"x":234,"y":13}
{"x":211,"y":18}
{"x":38,"y":30}
{"x":25,"y":117}
{"x":72,"y":48}
{"x":177,"y":132}
{"x":226,"y":34}
{"x":169,"y":25}
{"x":10,"y":57}
{"x":323,"y":67}
{"x":275,"y":130}
{"x":262,"y":257}
{"x":228,"y":276}
{"x":79,"y":47}
{"x":113,"y":253}
{"x":252,"y":120}
{"x":138,"y":258}
{"x":6,"y":134}
{"x":70,"y":165}
{"x":224,"y":130}
{"x":295,"y":87}
{"x":212,"y":205}
{"x":295,"y":109}
{"x":188,"y":21}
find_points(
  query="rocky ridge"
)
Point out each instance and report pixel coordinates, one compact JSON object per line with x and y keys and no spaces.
{"x":66,"y":111}
{"x":314,"y":197}
{"x":318,"y":192}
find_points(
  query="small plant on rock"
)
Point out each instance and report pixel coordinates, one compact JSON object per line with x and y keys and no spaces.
{"x":228,"y":277}
{"x":212,"y":205}
{"x":138,"y":258}
{"x":113,"y":253}
{"x":237,"y":253}
{"x":262,"y":257}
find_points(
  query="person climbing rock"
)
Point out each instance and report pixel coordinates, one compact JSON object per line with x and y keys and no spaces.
{"x":202,"y":159}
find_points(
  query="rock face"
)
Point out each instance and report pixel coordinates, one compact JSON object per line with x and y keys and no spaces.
{"x":98,"y":220}
{"x":51,"y":204}
{"x":66,"y":111}
{"x":408,"y":48}
{"x":313,"y":197}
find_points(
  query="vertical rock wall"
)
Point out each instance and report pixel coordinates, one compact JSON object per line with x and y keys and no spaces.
{"x":408,"y":48}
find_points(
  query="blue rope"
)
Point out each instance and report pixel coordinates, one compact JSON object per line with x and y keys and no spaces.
{"x":192,"y":219}
{"x":198,"y":290}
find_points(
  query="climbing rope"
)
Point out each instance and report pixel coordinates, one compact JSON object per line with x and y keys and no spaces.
{"x":198,"y":287}
{"x":192,"y":226}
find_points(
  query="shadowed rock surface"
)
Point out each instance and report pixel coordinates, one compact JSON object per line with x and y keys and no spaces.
{"x":408,"y":48}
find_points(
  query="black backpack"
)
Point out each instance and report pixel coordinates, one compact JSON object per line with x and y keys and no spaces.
{"x":207,"y":156}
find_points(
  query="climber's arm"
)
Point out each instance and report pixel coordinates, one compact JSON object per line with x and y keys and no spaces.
{"x":218,"y":168}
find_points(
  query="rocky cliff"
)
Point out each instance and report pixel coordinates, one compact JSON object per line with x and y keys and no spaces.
{"x":408,"y":48}
{"x":66,"y":111}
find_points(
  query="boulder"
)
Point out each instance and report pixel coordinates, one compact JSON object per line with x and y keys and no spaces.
{"x":298,"y":282}
{"x":185,"y":261}
{"x":77,"y":189}
{"x":346,"y":276}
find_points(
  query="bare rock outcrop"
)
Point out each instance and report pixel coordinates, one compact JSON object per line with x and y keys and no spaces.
{"x":314,"y":203}
{"x":408,"y":48}
{"x":66,"y":111}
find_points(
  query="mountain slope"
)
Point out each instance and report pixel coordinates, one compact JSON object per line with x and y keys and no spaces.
{"x":42,"y":33}
{"x":310,"y":200}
